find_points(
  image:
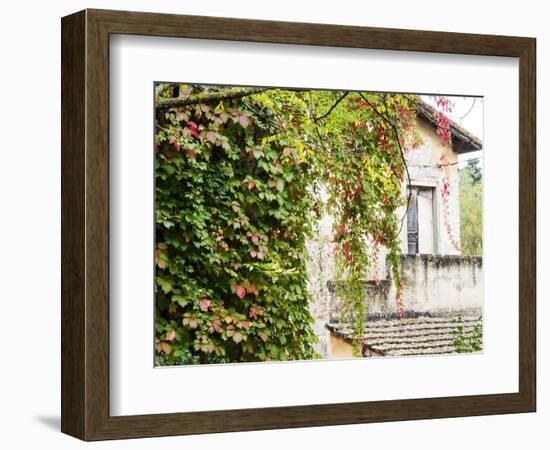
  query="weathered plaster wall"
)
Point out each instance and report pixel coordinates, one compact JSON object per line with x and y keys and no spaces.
{"x":441,"y":284}
{"x":432,"y":284}
{"x":321,"y":271}
{"x":424,"y":172}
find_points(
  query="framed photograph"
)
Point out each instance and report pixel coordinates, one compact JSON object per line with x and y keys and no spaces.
{"x":272,"y":225}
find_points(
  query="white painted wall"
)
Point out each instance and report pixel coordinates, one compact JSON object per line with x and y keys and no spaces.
{"x":30,"y":172}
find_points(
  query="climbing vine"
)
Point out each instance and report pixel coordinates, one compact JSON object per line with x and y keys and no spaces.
{"x":240,"y":174}
{"x":444,"y":131}
{"x":364,"y":173}
{"x":467,"y":340}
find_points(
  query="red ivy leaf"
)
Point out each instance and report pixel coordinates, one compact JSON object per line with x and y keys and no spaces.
{"x":244,"y":121}
{"x":170,"y":335}
{"x":176,"y":144}
{"x":193,"y":129}
{"x":181,"y":116}
{"x":216,"y":325}
{"x":240,"y":291}
{"x":255,"y":311}
{"x":191,"y":321}
{"x":224,"y":116}
{"x":160,"y":262}
{"x":211,"y":136}
{"x":204,"y":304}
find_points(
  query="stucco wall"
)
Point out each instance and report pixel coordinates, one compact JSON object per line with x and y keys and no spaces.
{"x":423,"y":170}
{"x":440,"y":284}
{"x":437,"y":284}
{"x":320,"y":268}
{"x":432,"y":284}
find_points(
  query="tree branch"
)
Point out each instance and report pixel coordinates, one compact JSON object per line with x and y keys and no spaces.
{"x":469,"y":110}
{"x":161,"y":87}
{"x":332,"y":107}
{"x":166,"y":103}
{"x":439,"y":166}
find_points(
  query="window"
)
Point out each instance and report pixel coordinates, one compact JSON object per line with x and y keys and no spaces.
{"x":420,"y":221}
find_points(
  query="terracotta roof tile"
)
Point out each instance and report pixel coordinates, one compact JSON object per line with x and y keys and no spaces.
{"x":406,"y":337}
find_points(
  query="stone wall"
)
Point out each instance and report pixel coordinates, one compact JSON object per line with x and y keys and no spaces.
{"x":440,"y":284}
{"x":435,"y":285}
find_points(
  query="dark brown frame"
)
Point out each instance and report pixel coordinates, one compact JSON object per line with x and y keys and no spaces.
{"x":85,"y":224}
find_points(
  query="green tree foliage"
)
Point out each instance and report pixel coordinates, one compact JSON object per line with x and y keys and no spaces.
{"x":238,"y":180}
{"x":471,"y":204}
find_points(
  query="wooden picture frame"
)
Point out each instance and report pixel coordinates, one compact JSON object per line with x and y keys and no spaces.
{"x":85,"y":224}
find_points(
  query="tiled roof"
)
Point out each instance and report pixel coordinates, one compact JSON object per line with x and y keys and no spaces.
{"x":406,"y":337}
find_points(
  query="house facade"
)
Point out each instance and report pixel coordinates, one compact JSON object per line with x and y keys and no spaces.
{"x":438,"y":282}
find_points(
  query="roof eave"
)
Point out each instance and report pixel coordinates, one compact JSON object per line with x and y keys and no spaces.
{"x":462,"y":140}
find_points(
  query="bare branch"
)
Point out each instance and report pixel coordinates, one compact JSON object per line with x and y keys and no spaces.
{"x":469,"y":110}
{"x":438,"y":166}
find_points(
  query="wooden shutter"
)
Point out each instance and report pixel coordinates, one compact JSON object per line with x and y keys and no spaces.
{"x":412,"y":222}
